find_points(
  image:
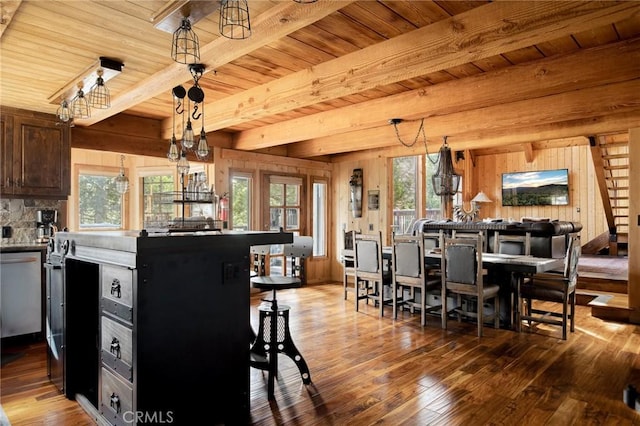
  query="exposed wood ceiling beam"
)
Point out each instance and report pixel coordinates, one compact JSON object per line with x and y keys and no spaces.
{"x":585,"y":68}
{"x":268,"y":27}
{"x":564,"y":107}
{"x":493,"y":141}
{"x":482,"y":32}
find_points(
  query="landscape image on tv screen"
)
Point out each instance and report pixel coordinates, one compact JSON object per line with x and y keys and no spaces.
{"x":537,"y":188}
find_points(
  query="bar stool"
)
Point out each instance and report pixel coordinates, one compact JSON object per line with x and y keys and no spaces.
{"x":274,"y":320}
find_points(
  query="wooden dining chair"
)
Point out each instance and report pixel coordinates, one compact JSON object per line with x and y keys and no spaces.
{"x":410,"y":274}
{"x":462,"y":275}
{"x":512,"y":244}
{"x":552,"y":287}
{"x":348,"y":261}
{"x":372,"y":277}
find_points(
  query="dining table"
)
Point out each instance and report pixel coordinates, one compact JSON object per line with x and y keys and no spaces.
{"x":506,"y":270}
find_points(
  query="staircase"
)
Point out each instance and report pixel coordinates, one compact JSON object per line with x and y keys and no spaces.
{"x":610,"y":156}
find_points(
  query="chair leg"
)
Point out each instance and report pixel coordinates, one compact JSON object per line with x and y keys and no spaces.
{"x":496,"y":314}
{"x":443,"y":315}
{"x":565,"y":309}
{"x":423,"y":306}
{"x":573,"y":311}
{"x":480,"y":314}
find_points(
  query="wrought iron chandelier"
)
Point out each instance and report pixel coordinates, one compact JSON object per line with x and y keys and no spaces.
{"x":445,"y":180}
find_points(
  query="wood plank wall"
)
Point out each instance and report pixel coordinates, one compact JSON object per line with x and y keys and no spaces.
{"x":585,"y":205}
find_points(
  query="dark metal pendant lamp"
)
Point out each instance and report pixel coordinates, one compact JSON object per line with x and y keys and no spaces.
{"x":445,"y":180}
{"x":80,"y":105}
{"x":234,"y":19}
{"x":185,"y":48}
{"x":99,"y":94}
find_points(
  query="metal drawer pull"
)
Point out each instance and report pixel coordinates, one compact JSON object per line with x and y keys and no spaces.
{"x":115,"y":347}
{"x":115,"y":402}
{"x":115,"y":288}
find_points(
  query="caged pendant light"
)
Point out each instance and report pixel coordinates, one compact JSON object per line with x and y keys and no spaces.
{"x":185,"y":48}
{"x":234,"y":19}
{"x":121,"y":181}
{"x":99,"y":94}
{"x":80,"y":105}
{"x":64,"y":112}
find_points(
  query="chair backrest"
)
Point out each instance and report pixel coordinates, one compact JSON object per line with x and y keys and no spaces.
{"x":368,"y":254}
{"x":471,"y":234}
{"x":574,"y":250}
{"x":408,"y":256}
{"x":462,"y":260}
{"x":432,"y":239}
{"x":302,"y":247}
{"x":512,"y":244}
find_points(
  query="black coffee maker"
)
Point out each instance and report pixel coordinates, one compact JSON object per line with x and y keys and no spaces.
{"x":46,"y":224}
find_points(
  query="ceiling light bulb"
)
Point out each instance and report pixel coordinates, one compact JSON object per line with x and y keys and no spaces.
{"x":183,"y":164}
{"x":188,"y":137}
{"x":203,"y":148}
{"x":173,"y":154}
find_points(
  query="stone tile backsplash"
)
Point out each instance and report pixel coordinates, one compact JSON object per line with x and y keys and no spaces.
{"x":20,"y":215}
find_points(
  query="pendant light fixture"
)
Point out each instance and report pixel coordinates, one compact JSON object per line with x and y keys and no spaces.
{"x":445,"y":180}
{"x":99,"y":94}
{"x":80,"y":105}
{"x":64,"y":112}
{"x":183,"y":164}
{"x":121,"y":181}
{"x":234,"y":19}
{"x":185,"y":48}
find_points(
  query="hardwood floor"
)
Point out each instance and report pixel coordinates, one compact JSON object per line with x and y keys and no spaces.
{"x":368,"y":370}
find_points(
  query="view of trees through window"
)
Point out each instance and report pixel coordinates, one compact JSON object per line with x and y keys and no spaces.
{"x":241,"y":206}
{"x":99,"y":204}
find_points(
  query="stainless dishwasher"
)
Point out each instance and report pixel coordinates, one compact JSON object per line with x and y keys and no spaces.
{"x":21,"y":293}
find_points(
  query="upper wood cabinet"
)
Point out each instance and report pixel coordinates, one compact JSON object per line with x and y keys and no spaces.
{"x":36,"y":156}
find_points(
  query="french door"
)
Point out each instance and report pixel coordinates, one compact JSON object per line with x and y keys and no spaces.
{"x":283,"y":208}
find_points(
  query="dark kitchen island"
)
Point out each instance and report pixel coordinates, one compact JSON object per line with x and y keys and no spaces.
{"x":157,"y":326}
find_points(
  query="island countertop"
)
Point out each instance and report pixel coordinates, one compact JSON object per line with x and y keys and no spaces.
{"x":124,"y":245}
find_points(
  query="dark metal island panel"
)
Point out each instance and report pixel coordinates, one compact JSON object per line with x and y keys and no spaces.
{"x":171,"y":318}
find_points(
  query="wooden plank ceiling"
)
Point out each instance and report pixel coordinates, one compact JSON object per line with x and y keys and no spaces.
{"x":322,"y":80}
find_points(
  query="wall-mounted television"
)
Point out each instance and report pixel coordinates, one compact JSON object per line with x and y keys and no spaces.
{"x":537,"y":188}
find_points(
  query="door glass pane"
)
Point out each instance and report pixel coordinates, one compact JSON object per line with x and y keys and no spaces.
{"x":276,"y":218}
{"x":276,"y":194}
{"x":405,"y":172}
{"x":319,"y":218}
{"x":158,"y":211}
{"x":293,"y":195}
{"x":293,"y":219}
{"x":241,"y":198}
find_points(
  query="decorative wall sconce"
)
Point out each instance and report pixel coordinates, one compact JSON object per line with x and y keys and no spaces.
{"x":355,"y":188}
{"x":462,"y":215}
{"x":121,"y":181}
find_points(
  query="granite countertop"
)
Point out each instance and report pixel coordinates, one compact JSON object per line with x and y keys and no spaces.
{"x":22,"y":246}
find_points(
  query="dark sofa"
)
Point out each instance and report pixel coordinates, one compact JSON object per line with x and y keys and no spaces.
{"x":548,"y":238}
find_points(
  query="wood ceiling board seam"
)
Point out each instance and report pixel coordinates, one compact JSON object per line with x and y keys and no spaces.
{"x":402,"y":57}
